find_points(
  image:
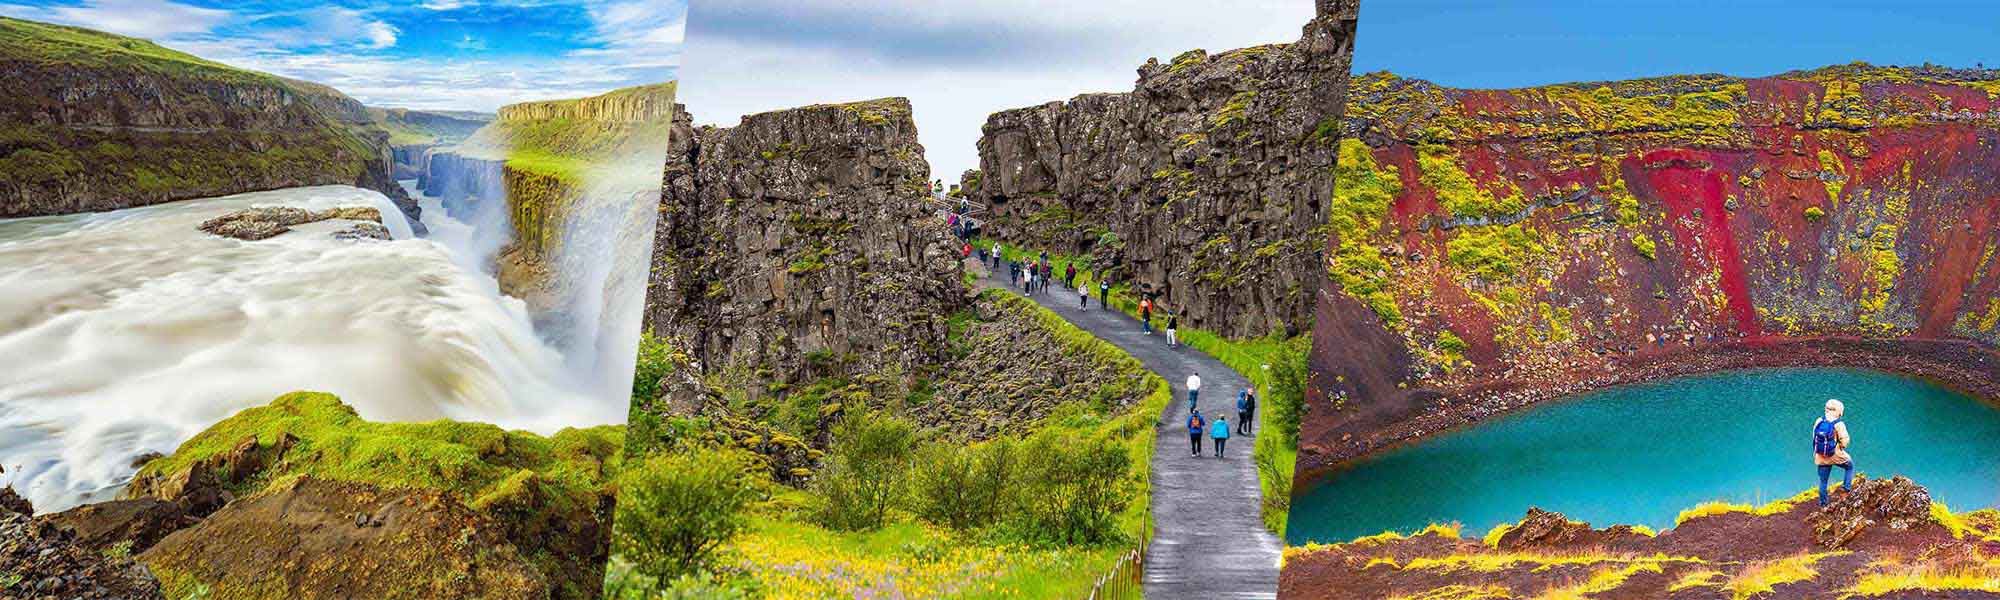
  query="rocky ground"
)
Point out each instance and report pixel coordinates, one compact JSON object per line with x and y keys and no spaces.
{"x":302,"y":499}
{"x":1883,"y":539}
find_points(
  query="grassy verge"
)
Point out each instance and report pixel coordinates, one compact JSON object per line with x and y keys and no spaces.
{"x":782,"y":551}
{"x":1273,"y":363}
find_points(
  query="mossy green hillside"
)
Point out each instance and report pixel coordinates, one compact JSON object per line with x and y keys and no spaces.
{"x":478,"y":463}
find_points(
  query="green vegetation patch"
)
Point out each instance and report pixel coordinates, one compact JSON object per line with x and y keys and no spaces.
{"x":1363,"y":192}
{"x":1494,"y":254}
{"x":1456,"y":191}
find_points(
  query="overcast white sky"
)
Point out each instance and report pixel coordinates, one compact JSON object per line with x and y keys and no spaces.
{"x":956,"y":61}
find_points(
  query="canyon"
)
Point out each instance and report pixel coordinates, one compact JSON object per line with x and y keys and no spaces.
{"x":1491,"y":249}
{"x":1208,"y":181}
{"x":180,"y":127}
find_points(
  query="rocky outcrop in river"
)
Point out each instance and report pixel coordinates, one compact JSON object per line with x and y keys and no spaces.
{"x":1492,"y":248}
{"x":797,"y":245}
{"x":96,"y":122}
{"x":1209,"y":179}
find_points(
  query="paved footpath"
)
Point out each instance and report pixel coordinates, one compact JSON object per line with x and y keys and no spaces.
{"x":1209,"y":540}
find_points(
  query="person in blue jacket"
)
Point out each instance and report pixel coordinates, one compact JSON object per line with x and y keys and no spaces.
{"x":1219,"y":431}
{"x":1195,"y":425}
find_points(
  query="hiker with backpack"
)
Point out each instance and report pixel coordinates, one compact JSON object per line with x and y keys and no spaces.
{"x":1194,"y":389}
{"x":1195,"y":425}
{"x":1219,"y":432}
{"x":1246,"y":409}
{"x":1830,"y":448}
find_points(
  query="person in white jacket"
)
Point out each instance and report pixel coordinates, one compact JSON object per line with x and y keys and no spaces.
{"x":1194,"y":389}
{"x":1830,"y":448}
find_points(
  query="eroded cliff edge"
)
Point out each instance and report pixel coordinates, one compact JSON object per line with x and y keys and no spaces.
{"x":1208,"y":180}
{"x":94,"y":122}
{"x":1494,"y":248}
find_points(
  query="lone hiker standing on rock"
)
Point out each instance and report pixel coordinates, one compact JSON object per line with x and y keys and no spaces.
{"x":1195,"y":426}
{"x":1219,"y":431}
{"x":1194,"y":389}
{"x":1830,"y":448}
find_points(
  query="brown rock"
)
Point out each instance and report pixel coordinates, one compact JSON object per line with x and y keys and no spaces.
{"x":1543,"y":529}
{"x":136,"y":524}
{"x":1896,"y":503}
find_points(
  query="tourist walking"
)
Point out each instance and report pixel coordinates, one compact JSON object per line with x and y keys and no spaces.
{"x":998,"y":253}
{"x":1194,"y":389}
{"x":1146,"y":315}
{"x":1173,"y":324}
{"x":1196,"y":425}
{"x":1083,"y":298}
{"x":1219,"y":431}
{"x":1246,"y":409}
{"x":1830,"y":448}
{"x":1103,"y":293}
{"x":1069,"y":275}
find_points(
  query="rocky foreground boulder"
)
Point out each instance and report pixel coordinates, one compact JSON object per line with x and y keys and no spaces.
{"x":1884,"y":538}
{"x":1209,"y":180}
{"x":797,"y":246}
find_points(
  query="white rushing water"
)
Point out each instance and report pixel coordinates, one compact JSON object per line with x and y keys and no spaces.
{"x":127,"y":332}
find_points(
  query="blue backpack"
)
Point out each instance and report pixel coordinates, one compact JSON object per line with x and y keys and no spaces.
{"x":1826,"y":439}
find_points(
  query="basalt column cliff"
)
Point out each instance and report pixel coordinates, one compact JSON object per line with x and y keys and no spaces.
{"x":1208,"y":181}
{"x":1492,"y":248}
{"x":798,"y":245}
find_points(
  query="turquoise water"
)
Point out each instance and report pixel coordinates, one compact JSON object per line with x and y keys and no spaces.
{"x":1642,"y":453}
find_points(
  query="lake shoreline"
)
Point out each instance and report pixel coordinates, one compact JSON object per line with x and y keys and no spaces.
{"x":1963,"y":366}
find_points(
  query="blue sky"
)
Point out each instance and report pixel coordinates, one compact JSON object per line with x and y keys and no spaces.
{"x":436,"y":54}
{"x":1514,"y":44}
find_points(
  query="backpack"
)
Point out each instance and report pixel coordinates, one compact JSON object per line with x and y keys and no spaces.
{"x":1195,"y":423}
{"x":1826,"y":439}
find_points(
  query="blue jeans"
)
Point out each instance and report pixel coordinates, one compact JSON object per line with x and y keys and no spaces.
{"x":1846,"y":478}
{"x":1192,"y":394}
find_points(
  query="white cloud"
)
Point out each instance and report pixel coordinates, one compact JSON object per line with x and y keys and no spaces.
{"x":443,"y":4}
{"x":381,"y":35}
{"x":150,"y":19}
{"x":957,"y":62}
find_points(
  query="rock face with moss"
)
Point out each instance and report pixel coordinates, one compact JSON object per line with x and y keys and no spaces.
{"x":1210,"y":178}
{"x":1491,"y":248}
{"x":94,"y":122}
{"x":797,"y":246}
{"x":1884,"y":539}
{"x":302,"y":498}
{"x":544,"y":160}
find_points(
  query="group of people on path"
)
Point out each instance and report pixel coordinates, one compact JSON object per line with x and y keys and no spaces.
{"x":1218,"y":430}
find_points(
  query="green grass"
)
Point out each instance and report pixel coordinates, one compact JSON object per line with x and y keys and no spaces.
{"x":564,"y":139}
{"x":475,"y":462}
{"x":49,"y":44}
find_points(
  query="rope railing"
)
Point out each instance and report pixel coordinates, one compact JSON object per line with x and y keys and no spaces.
{"x":1125,"y":581}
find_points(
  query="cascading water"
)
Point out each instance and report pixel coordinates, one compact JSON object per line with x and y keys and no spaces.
{"x":126,"y":332}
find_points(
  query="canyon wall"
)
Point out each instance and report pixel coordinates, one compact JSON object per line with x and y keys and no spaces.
{"x":1490,"y":248}
{"x":95,"y":122}
{"x":797,"y":246}
{"x":1208,"y":181}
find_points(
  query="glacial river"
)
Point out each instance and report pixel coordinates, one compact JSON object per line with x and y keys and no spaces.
{"x":1640,"y":454}
{"x":126,"y":332}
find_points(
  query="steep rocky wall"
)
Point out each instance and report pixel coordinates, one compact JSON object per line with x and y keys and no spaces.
{"x":797,"y":246}
{"x":1209,"y":178}
{"x":633,"y":105}
{"x":1492,"y":248}
{"x":88,"y":129}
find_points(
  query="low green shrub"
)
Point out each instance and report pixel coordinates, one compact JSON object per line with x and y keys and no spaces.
{"x":867,"y":472}
{"x":676,"y":509}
